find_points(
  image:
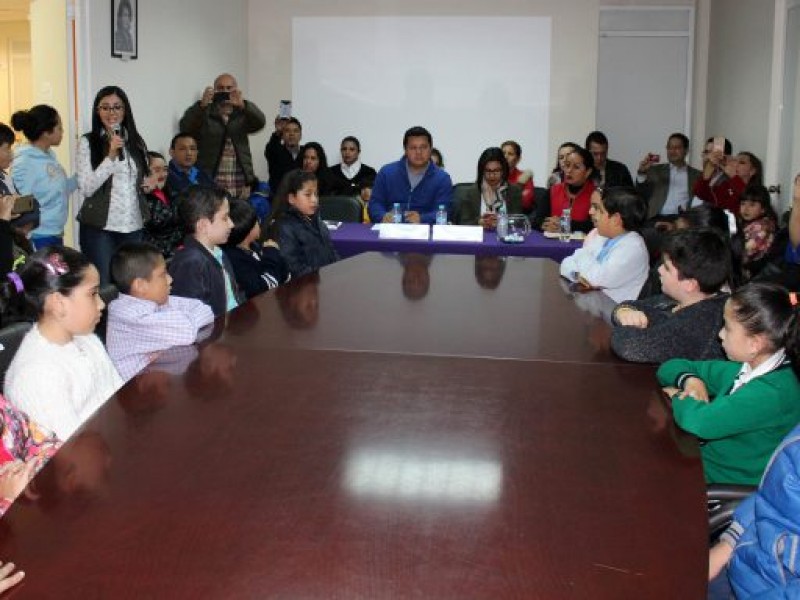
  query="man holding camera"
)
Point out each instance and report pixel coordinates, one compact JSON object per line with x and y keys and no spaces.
{"x":221,"y":121}
{"x":667,"y":187}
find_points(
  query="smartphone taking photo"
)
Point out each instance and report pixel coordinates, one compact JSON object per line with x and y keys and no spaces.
{"x":23,"y":204}
{"x":220,"y":97}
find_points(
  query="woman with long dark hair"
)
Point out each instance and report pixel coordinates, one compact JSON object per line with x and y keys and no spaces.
{"x":479,"y":204}
{"x":112,"y":171}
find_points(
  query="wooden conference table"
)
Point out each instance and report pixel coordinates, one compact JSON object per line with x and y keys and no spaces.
{"x":398,"y":427}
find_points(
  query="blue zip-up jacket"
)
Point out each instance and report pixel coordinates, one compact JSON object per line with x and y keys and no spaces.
{"x":766,"y":530}
{"x":392,"y":186}
{"x":39,"y":173}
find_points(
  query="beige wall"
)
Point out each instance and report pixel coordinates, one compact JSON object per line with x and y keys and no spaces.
{"x":16,"y":87}
{"x":573,"y":87}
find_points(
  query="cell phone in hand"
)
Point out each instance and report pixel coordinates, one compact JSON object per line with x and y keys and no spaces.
{"x":285,"y":109}
{"x":23,"y":204}
{"x":221,"y":97}
{"x":718,"y":144}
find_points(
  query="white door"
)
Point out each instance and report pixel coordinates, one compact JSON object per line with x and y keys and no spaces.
{"x":784,"y":140}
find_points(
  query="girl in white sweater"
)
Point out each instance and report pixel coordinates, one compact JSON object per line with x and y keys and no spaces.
{"x":61,"y":373}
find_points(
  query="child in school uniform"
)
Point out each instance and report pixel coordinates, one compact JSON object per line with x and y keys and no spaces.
{"x":614,"y":257}
{"x":200,"y":268}
{"x":295,"y":223}
{"x":741,"y":408}
{"x":683,"y":321}
{"x":145,"y":320}
{"x":61,"y":372}
{"x":258,"y":266}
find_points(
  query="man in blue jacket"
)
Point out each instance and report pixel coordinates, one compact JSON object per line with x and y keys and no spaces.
{"x":413,"y":182}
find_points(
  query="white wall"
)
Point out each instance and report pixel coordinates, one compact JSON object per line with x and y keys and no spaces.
{"x":573,"y":55}
{"x":182,"y":46}
{"x":739,"y":68}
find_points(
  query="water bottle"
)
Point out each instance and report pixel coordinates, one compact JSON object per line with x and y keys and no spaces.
{"x":441,"y":215}
{"x":565,"y":225}
{"x":502,"y":223}
{"x":397,"y":214}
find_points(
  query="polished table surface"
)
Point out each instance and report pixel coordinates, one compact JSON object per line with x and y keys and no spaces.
{"x":293,"y":459}
{"x":354,"y":238}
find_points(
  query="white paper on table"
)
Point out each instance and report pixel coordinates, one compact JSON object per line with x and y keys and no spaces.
{"x":458,"y":233}
{"x":404,"y":231}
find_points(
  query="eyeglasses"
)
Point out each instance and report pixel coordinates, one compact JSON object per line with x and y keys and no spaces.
{"x":114,"y":108}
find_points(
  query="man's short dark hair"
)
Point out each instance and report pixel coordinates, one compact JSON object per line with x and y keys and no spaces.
{"x":417,"y":131}
{"x":296,"y":121}
{"x":628,"y":203}
{"x":700,"y":254}
{"x":199,"y":202}
{"x":596,"y":137}
{"x":180,"y":136}
{"x":681,"y":138}
{"x":244,"y":217}
{"x":133,"y":260}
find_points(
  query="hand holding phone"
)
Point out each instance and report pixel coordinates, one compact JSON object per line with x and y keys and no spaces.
{"x":220,"y":97}
{"x":23,"y":204}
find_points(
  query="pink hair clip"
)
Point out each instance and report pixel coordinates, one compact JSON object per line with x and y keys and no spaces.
{"x":16,"y":280}
{"x":56,"y":265}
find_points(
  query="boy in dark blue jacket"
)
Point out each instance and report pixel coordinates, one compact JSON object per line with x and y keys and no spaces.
{"x":200,"y":269}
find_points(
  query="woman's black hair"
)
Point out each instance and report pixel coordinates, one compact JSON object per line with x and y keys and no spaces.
{"x":244,"y":218}
{"x":758,"y":177}
{"x":323,"y":158}
{"x":291,"y":183}
{"x":492,"y":154}
{"x":50,"y":269}
{"x":351,"y":138}
{"x":6,"y":135}
{"x":587,"y":159}
{"x":35,"y":121}
{"x":435,"y":152}
{"x":766,"y":308}
{"x":98,"y":138}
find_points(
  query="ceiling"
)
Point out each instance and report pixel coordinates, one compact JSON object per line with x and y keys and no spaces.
{"x":14,"y":10}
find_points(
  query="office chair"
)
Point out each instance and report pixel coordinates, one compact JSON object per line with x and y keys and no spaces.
{"x":722,"y":502}
{"x":340,"y":208}
{"x":10,"y":340}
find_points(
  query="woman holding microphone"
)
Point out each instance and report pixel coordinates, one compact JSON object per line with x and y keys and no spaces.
{"x":112,"y":175}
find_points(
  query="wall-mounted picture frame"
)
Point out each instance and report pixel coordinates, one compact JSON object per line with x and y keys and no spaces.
{"x":124,"y":29}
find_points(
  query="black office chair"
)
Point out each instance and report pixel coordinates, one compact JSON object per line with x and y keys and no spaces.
{"x":540,"y":194}
{"x":108,"y":293}
{"x":10,"y":340}
{"x":459,"y":193}
{"x":340,"y":208}
{"x":722,"y":502}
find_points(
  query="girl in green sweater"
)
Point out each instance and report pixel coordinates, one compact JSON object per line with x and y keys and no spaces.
{"x":743,"y":407}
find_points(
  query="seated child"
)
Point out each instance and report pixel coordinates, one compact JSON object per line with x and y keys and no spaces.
{"x":756,"y":556}
{"x":61,"y":372}
{"x":302,"y":236}
{"x":741,"y":408}
{"x":614,"y":257}
{"x":145,"y":320}
{"x":257,"y":266}
{"x":199,"y":268}
{"x":162,"y":229}
{"x":684,"y":321}
{"x":759,"y":224}
{"x":182,"y":169}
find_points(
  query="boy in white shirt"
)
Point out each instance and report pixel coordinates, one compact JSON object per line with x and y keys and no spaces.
{"x":614,"y":257}
{"x":145,"y":319}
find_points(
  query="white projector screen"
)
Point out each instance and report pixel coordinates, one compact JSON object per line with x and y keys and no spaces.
{"x":473,"y":82}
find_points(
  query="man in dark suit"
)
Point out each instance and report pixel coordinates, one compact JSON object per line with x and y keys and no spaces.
{"x":611,"y":172}
{"x":667,"y":187}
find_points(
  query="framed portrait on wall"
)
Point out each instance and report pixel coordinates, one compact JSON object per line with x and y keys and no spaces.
{"x":124,"y":29}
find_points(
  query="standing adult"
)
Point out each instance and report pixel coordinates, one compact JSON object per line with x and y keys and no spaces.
{"x":610,"y":172}
{"x":38,"y":172}
{"x":283,"y":150}
{"x":112,"y":166}
{"x":413,"y":182}
{"x":523,"y":178}
{"x":221,"y":122}
{"x":667,"y":187}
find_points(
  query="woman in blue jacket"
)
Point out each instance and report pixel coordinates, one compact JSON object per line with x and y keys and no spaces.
{"x":36,"y":171}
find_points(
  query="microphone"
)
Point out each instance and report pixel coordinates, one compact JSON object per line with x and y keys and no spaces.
{"x":116,"y":129}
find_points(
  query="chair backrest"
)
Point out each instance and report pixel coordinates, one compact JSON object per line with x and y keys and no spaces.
{"x":459,"y":191}
{"x":10,"y":339}
{"x":340,"y":208}
{"x":108,"y":293}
